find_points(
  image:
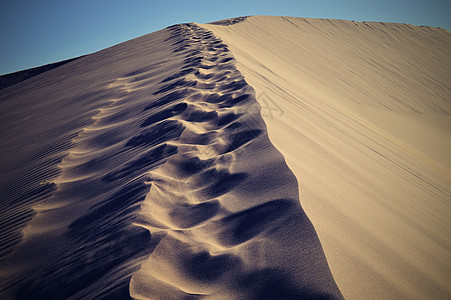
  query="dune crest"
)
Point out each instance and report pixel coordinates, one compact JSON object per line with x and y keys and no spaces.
{"x":366,"y":130}
{"x":145,"y":170}
{"x":227,"y":219}
{"x":193,"y":162}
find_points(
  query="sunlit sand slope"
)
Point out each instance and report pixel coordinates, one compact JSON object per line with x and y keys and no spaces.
{"x":361,"y":113}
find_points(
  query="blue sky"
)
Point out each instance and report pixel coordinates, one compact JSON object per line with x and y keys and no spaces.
{"x":33,"y":33}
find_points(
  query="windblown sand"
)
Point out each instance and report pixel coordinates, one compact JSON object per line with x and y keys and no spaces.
{"x":252,"y":158}
{"x":361,"y":113}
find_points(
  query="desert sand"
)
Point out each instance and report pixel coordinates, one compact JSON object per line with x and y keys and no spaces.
{"x":361,"y":113}
{"x":252,"y":158}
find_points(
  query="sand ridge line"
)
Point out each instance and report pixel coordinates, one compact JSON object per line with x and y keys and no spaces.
{"x":207,"y":142}
{"x":172,"y":140}
{"x":195,"y":198}
{"x":353,"y":94}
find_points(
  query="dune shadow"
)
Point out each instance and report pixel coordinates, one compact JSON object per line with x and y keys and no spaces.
{"x":199,"y":116}
{"x":234,"y":101}
{"x":138,"y":72}
{"x":234,"y":85}
{"x":158,"y":133}
{"x":242,"y":226}
{"x":109,"y":210}
{"x":182,"y":73}
{"x":169,"y":98}
{"x":220,"y":182}
{"x":165,"y":114}
{"x":145,"y":162}
{"x":227,"y":100}
{"x":193,"y":58}
{"x":208,"y":268}
{"x":275,"y":284}
{"x":227,"y":119}
{"x":192,"y":138}
{"x":188,"y":166}
{"x":105,"y":240}
{"x":238,"y":139}
{"x":17,"y":216}
{"x":187,"y":216}
{"x":177,"y":84}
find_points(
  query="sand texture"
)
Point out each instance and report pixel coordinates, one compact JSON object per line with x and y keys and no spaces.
{"x":145,"y":170}
{"x":250,"y":158}
{"x":361,"y":113}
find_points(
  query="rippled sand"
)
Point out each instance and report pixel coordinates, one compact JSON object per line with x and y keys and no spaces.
{"x":251,"y":158}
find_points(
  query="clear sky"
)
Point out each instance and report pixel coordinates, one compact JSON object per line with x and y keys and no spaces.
{"x":37,"y":32}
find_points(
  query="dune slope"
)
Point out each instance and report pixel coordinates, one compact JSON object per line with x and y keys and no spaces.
{"x":361,"y":113}
{"x":145,"y":170}
{"x":16,"y":77}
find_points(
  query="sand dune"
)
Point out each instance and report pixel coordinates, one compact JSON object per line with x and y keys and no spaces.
{"x":361,"y":113}
{"x":145,"y":170}
{"x":231,"y":222}
{"x":218,"y":160}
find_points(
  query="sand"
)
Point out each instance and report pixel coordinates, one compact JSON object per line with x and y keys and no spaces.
{"x":251,"y":158}
{"x":145,"y":170}
{"x":361,"y":113}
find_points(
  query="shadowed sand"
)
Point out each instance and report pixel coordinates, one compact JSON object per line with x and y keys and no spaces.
{"x":145,"y":171}
{"x":16,"y":77}
{"x":152,"y":169}
{"x":361,"y":113}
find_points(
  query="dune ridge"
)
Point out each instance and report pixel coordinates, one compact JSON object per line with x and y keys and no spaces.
{"x":366,"y":130}
{"x":206,"y":201}
{"x":145,"y":170}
